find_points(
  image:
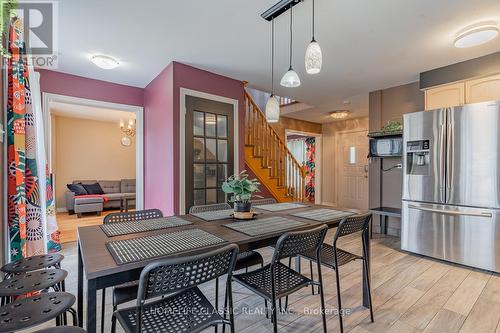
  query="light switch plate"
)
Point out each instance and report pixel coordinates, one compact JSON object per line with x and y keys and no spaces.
{"x":2,"y":133}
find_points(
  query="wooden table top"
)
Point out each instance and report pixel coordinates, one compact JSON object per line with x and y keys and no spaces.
{"x":98,"y":262}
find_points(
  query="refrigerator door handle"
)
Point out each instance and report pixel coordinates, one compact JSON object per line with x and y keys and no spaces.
{"x":451,"y":212}
{"x":449,"y":157}
{"x":442,"y":150}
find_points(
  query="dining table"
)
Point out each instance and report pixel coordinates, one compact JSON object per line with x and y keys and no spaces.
{"x":98,"y":268}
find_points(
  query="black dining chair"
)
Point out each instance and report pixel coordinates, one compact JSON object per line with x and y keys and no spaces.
{"x":276,"y":280}
{"x":334,"y":257}
{"x":126,"y":292}
{"x":169,"y":299}
{"x":265,"y":201}
{"x":244,"y":260}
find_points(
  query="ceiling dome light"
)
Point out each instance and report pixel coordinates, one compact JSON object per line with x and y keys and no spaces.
{"x":104,"y":62}
{"x":290,"y":79}
{"x":272,"y":110}
{"x":340,"y":114}
{"x":476,"y":36}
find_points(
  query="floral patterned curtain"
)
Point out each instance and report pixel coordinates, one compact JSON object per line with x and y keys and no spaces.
{"x":310,"y":167}
{"x":31,"y":219}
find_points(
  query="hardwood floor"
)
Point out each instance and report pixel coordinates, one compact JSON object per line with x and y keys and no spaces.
{"x":410,"y":294}
{"x":68,"y":224}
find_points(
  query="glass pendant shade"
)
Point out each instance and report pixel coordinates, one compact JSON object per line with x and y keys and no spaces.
{"x":272,"y":110}
{"x":314,"y":58}
{"x":290,"y":79}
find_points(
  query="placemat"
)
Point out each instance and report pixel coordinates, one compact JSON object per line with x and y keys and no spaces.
{"x":281,"y":206}
{"x":323,"y":214}
{"x":215,"y":215}
{"x":265,"y":226}
{"x":142,"y":248}
{"x":132,"y":227}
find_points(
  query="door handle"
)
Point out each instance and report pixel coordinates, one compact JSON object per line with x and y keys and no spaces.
{"x":449,"y":156}
{"x":441,"y":162}
{"x":450,"y":212}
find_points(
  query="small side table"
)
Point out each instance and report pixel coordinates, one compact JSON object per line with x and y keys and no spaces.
{"x":384,"y":213}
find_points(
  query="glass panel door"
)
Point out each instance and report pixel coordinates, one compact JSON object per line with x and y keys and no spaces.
{"x":209,"y":150}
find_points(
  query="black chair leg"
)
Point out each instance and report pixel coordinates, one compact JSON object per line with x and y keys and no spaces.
{"x":322,"y":296}
{"x":265,"y":300}
{"x":229,"y":295}
{"x":103,"y":309}
{"x":339,"y":301}
{"x":312,"y":275}
{"x":113,"y":324}
{"x":216,"y":299}
{"x":274,"y":317}
{"x":367,"y":277}
{"x":286,"y":298}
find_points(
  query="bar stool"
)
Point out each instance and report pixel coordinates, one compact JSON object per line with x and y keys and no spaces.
{"x":21,"y":284}
{"x":334,"y":257}
{"x":276,"y":280}
{"x":33,"y":263}
{"x":31,"y":311}
{"x":244,"y":260}
{"x":176,"y":304}
{"x":128,"y":291}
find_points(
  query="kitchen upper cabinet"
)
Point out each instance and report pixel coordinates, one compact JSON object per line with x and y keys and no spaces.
{"x":445,"y":96}
{"x":482,"y":90}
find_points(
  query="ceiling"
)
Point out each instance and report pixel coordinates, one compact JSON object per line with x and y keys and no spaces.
{"x":367,"y":45}
{"x":88,"y":112}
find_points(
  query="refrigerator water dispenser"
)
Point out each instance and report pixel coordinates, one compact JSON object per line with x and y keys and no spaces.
{"x":418,"y":158}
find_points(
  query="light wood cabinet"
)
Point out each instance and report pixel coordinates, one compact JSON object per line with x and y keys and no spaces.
{"x":445,"y":96}
{"x":483,"y":89}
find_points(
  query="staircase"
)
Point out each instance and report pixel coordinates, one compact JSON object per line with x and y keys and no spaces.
{"x":268,"y":157}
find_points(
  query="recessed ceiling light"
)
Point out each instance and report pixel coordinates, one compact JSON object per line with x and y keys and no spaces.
{"x":476,"y":35}
{"x":104,"y":62}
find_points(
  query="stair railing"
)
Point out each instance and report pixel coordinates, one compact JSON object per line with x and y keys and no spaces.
{"x":274,"y":152}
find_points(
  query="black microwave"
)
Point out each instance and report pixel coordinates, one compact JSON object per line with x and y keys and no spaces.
{"x":386,"y":147}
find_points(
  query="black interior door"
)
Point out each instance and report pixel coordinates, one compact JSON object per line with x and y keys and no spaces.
{"x":209,"y":150}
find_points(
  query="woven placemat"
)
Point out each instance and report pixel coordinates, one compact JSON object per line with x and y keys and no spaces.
{"x":323,"y":214}
{"x":132,"y":227}
{"x":148,"y":247}
{"x":215,"y":215}
{"x":277,"y":207}
{"x":265,"y":226}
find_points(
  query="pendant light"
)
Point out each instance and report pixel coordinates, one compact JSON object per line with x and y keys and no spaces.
{"x":314,"y":57}
{"x":290,"y":79}
{"x":272,"y":105}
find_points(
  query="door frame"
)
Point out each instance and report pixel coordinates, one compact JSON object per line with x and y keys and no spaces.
{"x":48,"y":98}
{"x":182,"y":137}
{"x":319,"y":154}
{"x":338,"y":152}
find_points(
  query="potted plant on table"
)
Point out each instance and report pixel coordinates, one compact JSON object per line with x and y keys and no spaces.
{"x":241,"y":190}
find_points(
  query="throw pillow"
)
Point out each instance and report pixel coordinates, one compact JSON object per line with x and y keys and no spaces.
{"x":78,"y":189}
{"x":93,"y":188}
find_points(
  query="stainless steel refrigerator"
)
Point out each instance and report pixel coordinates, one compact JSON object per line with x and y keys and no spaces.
{"x":451,"y":184}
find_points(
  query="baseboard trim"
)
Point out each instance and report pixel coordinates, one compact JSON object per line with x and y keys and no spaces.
{"x":329,"y":204}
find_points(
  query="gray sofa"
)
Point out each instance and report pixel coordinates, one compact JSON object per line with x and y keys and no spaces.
{"x":114,"y":190}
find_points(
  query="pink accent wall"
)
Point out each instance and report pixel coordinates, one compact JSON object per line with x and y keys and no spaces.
{"x":159,"y":143}
{"x":78,"y":86}
{"x":163,"y":112}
